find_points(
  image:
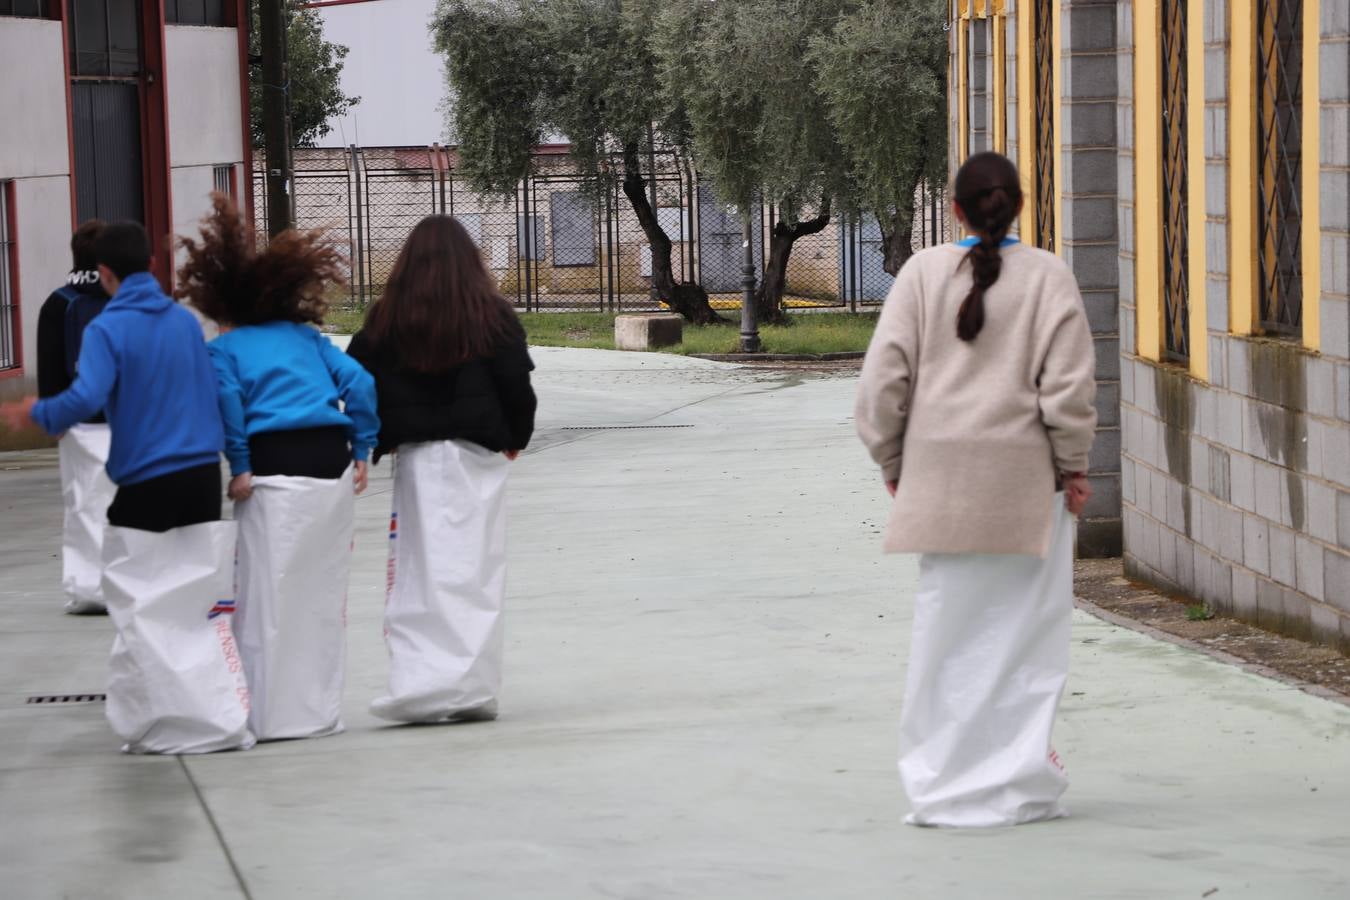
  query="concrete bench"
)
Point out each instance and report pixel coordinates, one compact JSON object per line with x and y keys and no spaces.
{"x":647,"y":332}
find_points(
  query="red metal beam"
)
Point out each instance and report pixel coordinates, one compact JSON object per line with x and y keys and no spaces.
{"x":16,"y":294}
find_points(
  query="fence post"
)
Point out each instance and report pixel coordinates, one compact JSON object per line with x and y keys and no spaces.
{"x":360,"y":255}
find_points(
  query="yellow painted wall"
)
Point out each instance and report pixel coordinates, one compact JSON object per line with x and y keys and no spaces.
{"x":1148,"y":180}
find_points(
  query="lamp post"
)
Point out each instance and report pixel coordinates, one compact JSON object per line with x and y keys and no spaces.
{"x":749,"y":327}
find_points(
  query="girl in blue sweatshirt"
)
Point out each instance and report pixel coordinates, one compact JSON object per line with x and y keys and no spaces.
{"x":300,"y":423}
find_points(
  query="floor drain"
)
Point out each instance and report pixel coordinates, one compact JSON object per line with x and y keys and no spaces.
{"x":49,"y":699}
{"x":618,"y":427}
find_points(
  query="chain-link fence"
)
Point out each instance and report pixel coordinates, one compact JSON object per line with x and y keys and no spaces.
{"x":566,"y":242}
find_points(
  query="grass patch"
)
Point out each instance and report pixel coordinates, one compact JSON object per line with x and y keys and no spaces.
{"x":814,"y":334}
{"x":1198,"y":612}
{"x":808,"y":334}
{"x":343,"y":320}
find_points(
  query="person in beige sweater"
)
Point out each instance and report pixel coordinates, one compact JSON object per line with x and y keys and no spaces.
{"x":976,"y":402}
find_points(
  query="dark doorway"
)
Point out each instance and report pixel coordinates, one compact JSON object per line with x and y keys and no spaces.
{"x":107,"y":68}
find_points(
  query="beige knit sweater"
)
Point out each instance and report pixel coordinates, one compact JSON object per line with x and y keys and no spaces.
{"x":975,"y":431}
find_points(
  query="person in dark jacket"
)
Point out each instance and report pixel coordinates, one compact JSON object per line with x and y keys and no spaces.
{"x":143,"y":360}
{"x":452,"y":378}
{"x":86,"y":491}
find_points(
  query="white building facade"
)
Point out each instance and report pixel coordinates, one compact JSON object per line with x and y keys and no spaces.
{"x":391,"y":67}
{"x":114,"y":109}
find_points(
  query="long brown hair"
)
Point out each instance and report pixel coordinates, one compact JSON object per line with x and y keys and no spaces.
{"x":440,"y":307}
{"x":990,"y":194}
{"x":230,"y":281}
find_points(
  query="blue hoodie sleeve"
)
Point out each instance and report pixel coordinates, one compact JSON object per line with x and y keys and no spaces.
{"x":356,"y":387}
{"x":231,"y":410}
{"x":97,"y":375}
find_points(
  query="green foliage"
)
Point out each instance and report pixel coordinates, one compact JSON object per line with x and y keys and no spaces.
{"x":882,"y":71}
{"x":496,"y":67}
{"x":519,"y":69}
{"x":315,"y":67}
{"x":740,"y":70}
{"x":1198,"y":612}
{"x":813,"y":334}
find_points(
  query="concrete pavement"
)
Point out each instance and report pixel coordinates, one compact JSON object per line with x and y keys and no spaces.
{"x":705,"y":664}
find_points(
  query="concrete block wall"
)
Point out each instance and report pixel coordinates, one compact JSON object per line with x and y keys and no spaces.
{"x":1089,"y":235}
{"x":1237,"y":491}
{"x":1335,"y":183}
{"x":1240,"y":496}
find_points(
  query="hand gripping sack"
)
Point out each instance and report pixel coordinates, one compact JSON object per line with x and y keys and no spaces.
{"x":295,"y":542}
{"x":86,"y":493}
{"x":447,"y":578}
{"x":175,"y":680}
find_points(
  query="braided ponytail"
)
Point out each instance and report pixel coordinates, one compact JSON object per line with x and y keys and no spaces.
{"x":989,"y":194}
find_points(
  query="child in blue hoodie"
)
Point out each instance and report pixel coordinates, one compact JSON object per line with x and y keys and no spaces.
{"x":300,"y":424}
{"x":172,"y":685}
{"x":143,"y":362}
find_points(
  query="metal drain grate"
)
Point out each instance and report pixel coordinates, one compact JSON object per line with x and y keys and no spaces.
{"x":618,"y":427}
{"x":51,"y":699}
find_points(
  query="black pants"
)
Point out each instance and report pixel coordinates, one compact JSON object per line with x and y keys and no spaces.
{"x":185,"y":497}
{"x":301,"y":452}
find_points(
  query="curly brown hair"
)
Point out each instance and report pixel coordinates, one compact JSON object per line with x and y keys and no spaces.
{"x":231,"y":282}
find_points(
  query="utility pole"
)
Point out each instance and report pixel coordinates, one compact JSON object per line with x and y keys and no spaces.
{"x":276,"y":120}
{"x":749,"y":327}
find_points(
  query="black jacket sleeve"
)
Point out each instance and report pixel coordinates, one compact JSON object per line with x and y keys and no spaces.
{"x":52,"y":377}
{"x":511,"y":372}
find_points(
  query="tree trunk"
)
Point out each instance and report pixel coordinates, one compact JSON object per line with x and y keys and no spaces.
{"x":897,"y":231}
{"x":689,"y":300}
{"x":897,"y":240}
{"x":769,"y":294}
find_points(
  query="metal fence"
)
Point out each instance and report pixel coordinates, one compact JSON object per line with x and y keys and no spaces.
{"x":563,"y":242}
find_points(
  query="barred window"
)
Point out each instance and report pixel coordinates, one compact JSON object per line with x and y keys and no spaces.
{"x":9,"y":289}
{"x":194,"y":12}
{"x":1176,"y":258}
{"x":1043,"y":81}
{"x":1279,"y":142}
{"x":222,"y":178}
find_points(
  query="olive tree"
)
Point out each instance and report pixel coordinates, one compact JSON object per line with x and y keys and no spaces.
{"x":519,"y":69}
{"x":315,"y":65}
{"x":759,"y":128}
{"x":882,"y":73}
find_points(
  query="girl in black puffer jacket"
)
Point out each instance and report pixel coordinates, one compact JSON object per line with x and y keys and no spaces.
{"x":452,"y":374}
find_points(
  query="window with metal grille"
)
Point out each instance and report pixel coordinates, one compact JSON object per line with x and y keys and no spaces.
{"x":9,"y":289}
{"x":1043,"y":78}
{"x":26,"y":9}
{"x":1279,"y":142}
{"x":194,"y":12}
{"x":222,"y":178}
{"x":1176,"y":259}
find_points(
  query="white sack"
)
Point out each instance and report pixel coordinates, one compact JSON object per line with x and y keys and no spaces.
{"x":86,"y":493}
{"x":175,"y":680}
{"x":295,"y":546}
{"x":988,"y":661}
{"x":447,"y":578}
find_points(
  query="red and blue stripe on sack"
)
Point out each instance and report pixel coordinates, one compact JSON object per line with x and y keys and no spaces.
{"x":222,"y":608}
